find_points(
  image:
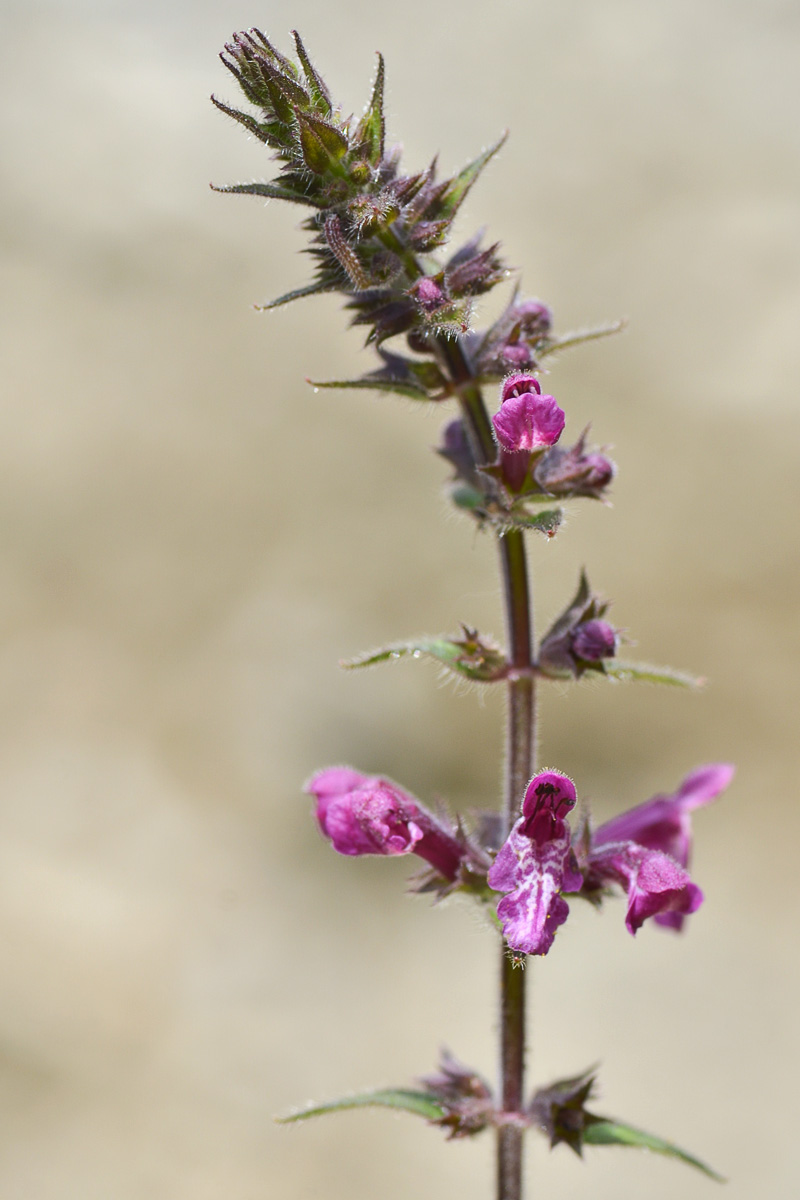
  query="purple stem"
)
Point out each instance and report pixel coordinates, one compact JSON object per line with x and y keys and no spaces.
{"x":520,"y":747}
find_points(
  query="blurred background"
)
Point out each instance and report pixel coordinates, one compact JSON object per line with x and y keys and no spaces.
{"x":191,"y":539}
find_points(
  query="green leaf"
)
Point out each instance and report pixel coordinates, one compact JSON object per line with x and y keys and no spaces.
{"x":419,"y":1103}
{"x":455,"y":193}
{"x":371,"y":129}
{"x":376,"y":385}
{"x":272,"y":191}
{"x":603,"y":1132}
{"x":470,"y":658}
{"x":554,"y":345}
{"x":626,"y":672}
{"x":420,"y":380}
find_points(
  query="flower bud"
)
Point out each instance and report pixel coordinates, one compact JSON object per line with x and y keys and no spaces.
{"x":594,"y":640}
{"x":428,"y":294}
{"x":515,"y":354}
{"x":573,"y":472}
{"x":578,"y":640}
{"x":534,"y":318}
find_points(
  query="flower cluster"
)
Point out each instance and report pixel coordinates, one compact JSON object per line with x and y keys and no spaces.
{"x":377,"y":234}
{"x":644,"y":851}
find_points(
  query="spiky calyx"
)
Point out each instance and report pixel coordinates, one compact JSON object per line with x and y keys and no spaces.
{"x":373,"y":228}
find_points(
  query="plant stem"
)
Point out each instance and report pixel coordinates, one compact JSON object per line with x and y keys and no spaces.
{"x":520,"y":745}
{"x":520,"y":750}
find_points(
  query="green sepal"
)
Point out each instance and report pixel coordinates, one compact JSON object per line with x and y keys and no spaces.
{"x":288,"y":88}
{"x":315,"y":156}
{"x":265,"y":131}
{"x":453,"y":195}
{"x":547,"y":522}
{"x":285,"y":63}
{"x":322,"y":144}
{"x":470,"y":657}
{"x":552,"y":345}
{"x":371,"y":131}
{"x":469,"y":498}
{"x":320,"y":96}
{"x":419,"y":1103}
{"x":271,"y":191}
{"x":600,"y":1131}
{"x":626,"y":672}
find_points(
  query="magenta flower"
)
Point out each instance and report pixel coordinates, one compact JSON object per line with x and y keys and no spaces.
{"x":526,"y":424}
{"x":527,"y":420}
{"x":363,"y":814}
{"x":534,"y":864}
{"x":646,"y":850}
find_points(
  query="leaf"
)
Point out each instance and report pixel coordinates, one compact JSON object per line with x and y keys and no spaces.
{"x":419,"y":1103}
{"x":625,"y":672}
{"x":603,"y":1132}
{"x":272,"y":191}
{"x":454,"y":194}
{"x":554,"y":345}
{"x":470,"y":658}
{"x":377,"y":385}
{"x":420,"y":380}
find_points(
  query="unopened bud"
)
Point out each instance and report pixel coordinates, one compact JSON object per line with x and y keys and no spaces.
{"x":594,"y":640}
{"x":428,"y":294}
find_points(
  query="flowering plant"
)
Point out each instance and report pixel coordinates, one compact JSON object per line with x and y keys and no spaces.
{"x":378,"y":237}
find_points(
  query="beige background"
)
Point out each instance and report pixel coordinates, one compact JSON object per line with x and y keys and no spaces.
{"x":191,"y":538}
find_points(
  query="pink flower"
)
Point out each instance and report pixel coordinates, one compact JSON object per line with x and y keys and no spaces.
{"x":363,"y":814}
{"x":527,"y":420}
{"x":647,"y":850}
{"x":526,"y":424}
{"x":534,"y":864}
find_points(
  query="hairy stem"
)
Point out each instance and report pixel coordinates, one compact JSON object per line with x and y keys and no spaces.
{"x":520,"y":749}
{"x":520,"y":746}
